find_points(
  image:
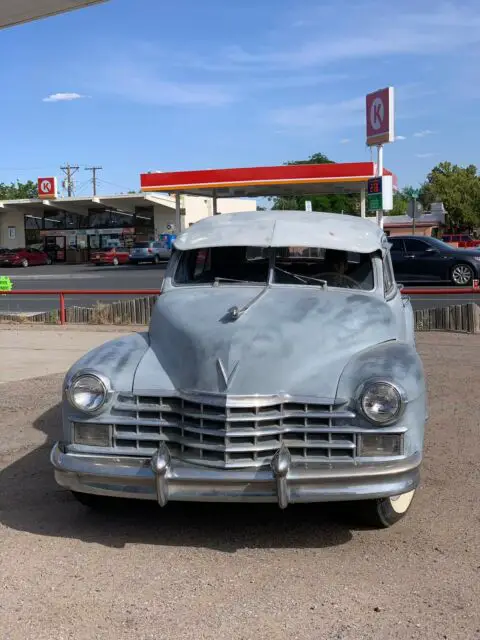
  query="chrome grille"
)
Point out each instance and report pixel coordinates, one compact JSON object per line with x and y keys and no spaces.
{"x":244,"y":435}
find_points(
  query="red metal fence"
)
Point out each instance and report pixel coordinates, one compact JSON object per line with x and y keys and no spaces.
{"x":430,"y":291}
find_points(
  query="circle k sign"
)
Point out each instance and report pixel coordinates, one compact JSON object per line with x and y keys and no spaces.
{"x":47,"y":187}
{"x":380,"y":116}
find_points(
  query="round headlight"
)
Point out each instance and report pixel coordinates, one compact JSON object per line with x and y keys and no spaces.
{"x":381,"y":402}
{"x":88,"y":393}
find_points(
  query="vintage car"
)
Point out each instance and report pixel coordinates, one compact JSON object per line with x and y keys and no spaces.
{"x":279,"y":366}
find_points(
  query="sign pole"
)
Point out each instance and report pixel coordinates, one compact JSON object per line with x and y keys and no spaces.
{"x":379,"y":213}
{"x":380,"y":130}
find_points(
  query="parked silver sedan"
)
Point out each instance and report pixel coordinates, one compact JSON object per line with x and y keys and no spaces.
{"x":149,"y":251}
{"x":279,"y":366}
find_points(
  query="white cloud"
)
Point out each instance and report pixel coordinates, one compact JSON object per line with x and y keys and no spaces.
{"x":425,"y":155}
{"x":322,"y":116}
{"x":63,"y":97}
{"x":424,"y":133}
{"x":135,"y":78}
{"x":400,"y":137}
{"x":393,"y":32}
{"x":345,"y":140}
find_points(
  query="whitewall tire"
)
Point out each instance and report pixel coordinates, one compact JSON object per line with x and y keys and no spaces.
{"x":384,"y":512}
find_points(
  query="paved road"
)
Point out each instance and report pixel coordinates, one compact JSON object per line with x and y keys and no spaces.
{"x":121,"y":277}
{"x":76,"y":277}
{"x":237,"y":572}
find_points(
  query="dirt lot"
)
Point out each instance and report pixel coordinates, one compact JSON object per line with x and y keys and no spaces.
{"x":243,"y":572}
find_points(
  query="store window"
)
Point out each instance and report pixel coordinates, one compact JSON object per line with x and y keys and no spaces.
{"x":144,"y":223}
{"x":110,"y":219}
{"x":54,"y":219}
{"x":33,"y":238}
{"x":98,"y":218}
{"x":75,"y":220}
{"x":34,"y":221}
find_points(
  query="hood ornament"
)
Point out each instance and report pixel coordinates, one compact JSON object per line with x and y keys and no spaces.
{"x":224,"y":377}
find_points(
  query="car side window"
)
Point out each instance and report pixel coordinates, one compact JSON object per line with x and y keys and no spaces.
{"x":416,"y":246}
{"x":388,"y":277}
{"x":157,"y":245}
{"x":397,"y":245}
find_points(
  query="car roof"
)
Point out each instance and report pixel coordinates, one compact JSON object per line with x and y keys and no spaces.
{"x":284,"y":229}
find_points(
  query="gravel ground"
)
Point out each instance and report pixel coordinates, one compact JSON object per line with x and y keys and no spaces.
{"x":243,"y":572}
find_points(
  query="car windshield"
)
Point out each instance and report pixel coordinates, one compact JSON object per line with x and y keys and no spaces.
{"x":312,"y":266}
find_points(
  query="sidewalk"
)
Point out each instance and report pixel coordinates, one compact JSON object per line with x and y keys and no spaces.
{"x":30,"y":352}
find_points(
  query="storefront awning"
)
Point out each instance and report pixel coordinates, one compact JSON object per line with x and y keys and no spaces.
{"x":13,"y":12}
{"x":81,"y":205}
{"x":284,"y":180}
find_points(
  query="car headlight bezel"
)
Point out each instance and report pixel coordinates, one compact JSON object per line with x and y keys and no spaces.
{"x":101,"y":379}
{"x":400,"y":394}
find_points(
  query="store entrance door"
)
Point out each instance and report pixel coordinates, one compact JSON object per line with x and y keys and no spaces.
{"x":55,"y":248}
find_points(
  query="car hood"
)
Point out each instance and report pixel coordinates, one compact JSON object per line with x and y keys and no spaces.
{"x":290,"y":340}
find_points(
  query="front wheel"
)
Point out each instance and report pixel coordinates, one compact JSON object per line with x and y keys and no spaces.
{"x":24,"y":263}
{"x":115,"y":262}
{"x":156,"y":260}
{"x":384,"y":512}
{"x":462,"y":275}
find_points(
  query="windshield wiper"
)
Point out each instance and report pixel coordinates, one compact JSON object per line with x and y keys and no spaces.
{"x":217,"y":281}
{"x":302,"y":279}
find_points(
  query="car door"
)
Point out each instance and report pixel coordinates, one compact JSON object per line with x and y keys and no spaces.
{"x":423,"y":262}
{"x":34,"y":257}
{"x":397,"y":253}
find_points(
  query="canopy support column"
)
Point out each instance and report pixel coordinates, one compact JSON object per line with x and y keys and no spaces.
{"x":363,"y":204}
{"x":215,"y":203}
{"x":178,"y":218}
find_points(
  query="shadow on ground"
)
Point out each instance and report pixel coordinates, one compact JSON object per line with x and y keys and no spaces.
{"x":31,"y":501}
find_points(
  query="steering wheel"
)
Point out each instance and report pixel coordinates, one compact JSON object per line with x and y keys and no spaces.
{"x":334,"y":275}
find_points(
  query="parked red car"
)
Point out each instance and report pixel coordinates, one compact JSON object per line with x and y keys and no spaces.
{"x":461,"y":239}
{"x":23,"y":257}
{"x":114,"y":256}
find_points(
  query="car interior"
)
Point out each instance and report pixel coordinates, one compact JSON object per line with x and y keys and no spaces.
{"x":293,"y":265}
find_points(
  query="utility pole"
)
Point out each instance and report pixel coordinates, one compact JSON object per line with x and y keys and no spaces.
{"x":69,"y":172}
{"x":94,"y":177}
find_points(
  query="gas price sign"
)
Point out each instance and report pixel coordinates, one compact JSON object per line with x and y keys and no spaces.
{"x":374,"y":194}
{"x":380,"y":194}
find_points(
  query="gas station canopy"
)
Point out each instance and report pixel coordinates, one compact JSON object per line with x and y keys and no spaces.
{"x":13,"y":12}
{"x":253,"y":182}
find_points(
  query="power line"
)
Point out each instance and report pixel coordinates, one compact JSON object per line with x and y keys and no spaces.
{"x":113,"y":184}
{"x":70,"y":172}
{"x":94,"y":177}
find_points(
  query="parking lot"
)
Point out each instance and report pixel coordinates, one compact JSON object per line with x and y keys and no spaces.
{"x":233,"y":571}
{"x":123,"y":277}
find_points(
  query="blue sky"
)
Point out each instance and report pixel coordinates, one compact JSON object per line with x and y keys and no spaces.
{"x":139,"y":85}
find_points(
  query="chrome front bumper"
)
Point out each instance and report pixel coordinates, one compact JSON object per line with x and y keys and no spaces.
{"x":162,"y":478}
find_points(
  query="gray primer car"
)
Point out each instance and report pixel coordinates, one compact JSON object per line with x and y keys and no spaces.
{"x":263,"y":376}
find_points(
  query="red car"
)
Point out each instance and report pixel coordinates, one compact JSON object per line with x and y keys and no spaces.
{"x":114,"y":256}
{"x":461,"y":239}
{"x":23,"y":257}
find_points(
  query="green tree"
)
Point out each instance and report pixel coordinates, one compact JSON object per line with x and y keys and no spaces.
{"x":18,"y":190}
{"x":459,"y":189}
{"x":401,"y":199}
{"x":329,"y":202}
